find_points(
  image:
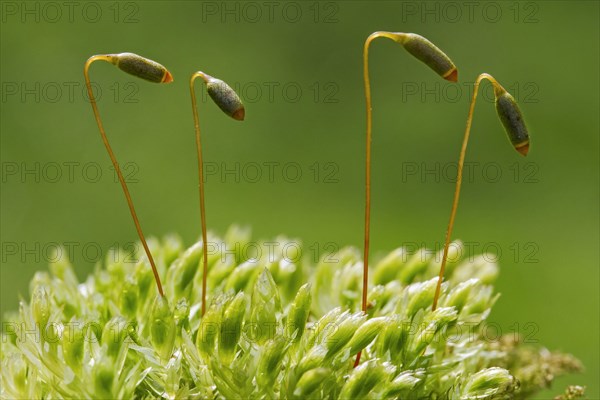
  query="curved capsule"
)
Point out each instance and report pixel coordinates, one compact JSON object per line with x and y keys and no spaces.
{"x":422,"y":49}
{"x":512,"y":119}
{"x":226,"y":98}
{"x":142,"y":67}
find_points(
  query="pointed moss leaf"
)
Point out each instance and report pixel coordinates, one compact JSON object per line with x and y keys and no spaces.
{"x":298,"y":314}
{"x":366,"y":333}
{"x":231,"y":327}
{"x":162,"y":327}
{"x":310,"y":382}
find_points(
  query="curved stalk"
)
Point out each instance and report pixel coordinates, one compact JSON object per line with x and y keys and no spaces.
{"x":512,"y":120}
{"x":230,"y":103}
{"x":427,"y":52}
{"x":146,"y":69}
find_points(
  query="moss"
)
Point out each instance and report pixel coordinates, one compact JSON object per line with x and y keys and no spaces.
{"x":261,"y":340}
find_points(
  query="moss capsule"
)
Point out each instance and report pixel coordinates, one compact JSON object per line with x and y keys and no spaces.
{"x":512,"y":119}
{"x":425,"y":51}
{"x":142,"y":67}
{"x":226,"y":98}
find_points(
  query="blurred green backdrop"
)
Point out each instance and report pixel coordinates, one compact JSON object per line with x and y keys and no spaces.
{"x":298,"y":67}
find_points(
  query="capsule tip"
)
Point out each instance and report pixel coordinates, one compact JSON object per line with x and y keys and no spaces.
{"x":239,"y":114}
{"x":523,"y":149}
{"x":168,"y":78}
{"x":452,"y":75}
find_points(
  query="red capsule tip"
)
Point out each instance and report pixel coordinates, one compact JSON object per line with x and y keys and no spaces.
{"x":524,"y":149}
{"x":452,"y":76}
{"x":168,"y":78}
{"x":239,"y":114}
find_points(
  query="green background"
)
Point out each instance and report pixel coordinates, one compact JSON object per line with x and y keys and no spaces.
{"x":540,"y":215}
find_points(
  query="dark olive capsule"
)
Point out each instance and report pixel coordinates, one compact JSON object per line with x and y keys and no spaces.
{"x":142,"y":68}
{"x":431,"y":55}
{"x":513,"y":122}
{"x":226,"y":98}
